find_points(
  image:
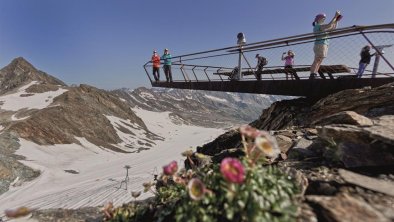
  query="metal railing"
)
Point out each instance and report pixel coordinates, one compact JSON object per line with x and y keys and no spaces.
{"x":345,"y":46}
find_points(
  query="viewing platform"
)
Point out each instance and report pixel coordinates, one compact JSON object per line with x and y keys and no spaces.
{"x":216,"y":70}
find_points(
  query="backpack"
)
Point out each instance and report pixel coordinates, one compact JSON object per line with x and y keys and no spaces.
{"x":263,"y":61}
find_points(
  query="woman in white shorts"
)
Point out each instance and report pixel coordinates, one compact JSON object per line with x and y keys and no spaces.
{"x":321,"y":43}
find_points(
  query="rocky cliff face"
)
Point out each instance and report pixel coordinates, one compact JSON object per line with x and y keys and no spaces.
{"x":301,"y":113}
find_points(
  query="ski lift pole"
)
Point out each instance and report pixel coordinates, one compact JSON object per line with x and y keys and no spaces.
{"x":155,"y":174}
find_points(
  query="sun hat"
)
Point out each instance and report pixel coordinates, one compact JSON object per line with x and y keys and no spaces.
{"x":320,"y":16}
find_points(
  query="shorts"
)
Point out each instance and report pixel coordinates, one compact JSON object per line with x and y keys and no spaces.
{"x":320,"y":50}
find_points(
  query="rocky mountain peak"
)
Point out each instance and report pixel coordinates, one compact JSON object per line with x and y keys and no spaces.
{"x":20,"y":72}
{"x":22,"y":63}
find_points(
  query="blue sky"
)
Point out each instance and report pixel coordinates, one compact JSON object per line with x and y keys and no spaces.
{"x":104,"y":43}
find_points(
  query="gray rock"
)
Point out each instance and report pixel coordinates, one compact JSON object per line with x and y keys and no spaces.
{"x":343,"y":207}
{"x":368,"y":182}
{"x":383,"y":129}
{"x":284,"y":143}
{"x":303,"y":143}
{"x":345,"y":117}
{"x":361,"y":146}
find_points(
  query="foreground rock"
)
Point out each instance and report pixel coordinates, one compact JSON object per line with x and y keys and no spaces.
{"x":352,"y":129}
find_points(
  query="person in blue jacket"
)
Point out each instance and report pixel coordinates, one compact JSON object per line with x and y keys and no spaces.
{"x":167,"y":65}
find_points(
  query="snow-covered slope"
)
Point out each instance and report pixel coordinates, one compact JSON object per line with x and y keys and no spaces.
{"x":84,"y":174}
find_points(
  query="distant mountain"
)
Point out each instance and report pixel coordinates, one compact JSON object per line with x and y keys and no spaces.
{"x":20,"y":72}
{"x":43,"y":109}
{"x":85,"y":112}
{"x":202,"y":108}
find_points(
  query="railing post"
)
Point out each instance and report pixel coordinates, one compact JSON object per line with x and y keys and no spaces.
{"x":239,"y":63}
{"x":220,"y":76}
{"x":205,"y":71}
{"x":146,"y":71}
{"x":183,"y":73}
{"x":194,"y":73}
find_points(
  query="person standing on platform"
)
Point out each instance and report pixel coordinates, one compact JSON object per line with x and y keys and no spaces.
{"x":289,"y":62}
{"x":321,"y":43}
{"x":261,"y":62}
{"x":167,"y":65}
{"x":365,"y":60}
{"x":156,"y":66}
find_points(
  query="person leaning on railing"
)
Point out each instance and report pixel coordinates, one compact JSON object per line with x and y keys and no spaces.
{"x":167,"y":65}
{"x":321,"y":43}
{"x":365,"y":60}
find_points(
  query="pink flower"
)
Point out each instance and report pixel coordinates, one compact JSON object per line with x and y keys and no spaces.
{"x":171,"y":168}
{"x":196,"y":189}
{"x":248,"y":131}
{"x":232,"y":170}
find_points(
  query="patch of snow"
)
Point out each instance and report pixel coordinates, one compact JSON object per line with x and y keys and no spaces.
{"x":264,"y":96}
{"x":174,"y":98}
{"x":127,"y":138}
{"x":15,"y":102}
{"x":216,"y":98}
{"x":138,"y":100}
{"x":14,"y":118}
{"x":146,"y":95}
{"x":236,"y":98}
{"x":15,"y":182}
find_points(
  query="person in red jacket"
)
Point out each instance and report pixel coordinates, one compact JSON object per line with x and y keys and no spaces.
{"x":156,"y":65}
